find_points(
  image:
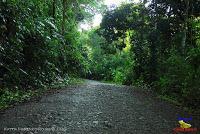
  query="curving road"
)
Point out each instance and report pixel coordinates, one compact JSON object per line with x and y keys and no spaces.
{"x":94,"y":108}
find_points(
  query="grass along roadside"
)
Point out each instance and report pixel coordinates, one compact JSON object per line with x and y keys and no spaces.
{"x":174,"y":101}
{"x":9,"y":97}
{"x":168,"y":98}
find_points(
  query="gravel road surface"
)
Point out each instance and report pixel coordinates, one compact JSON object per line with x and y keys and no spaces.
{"x":94,"y":108}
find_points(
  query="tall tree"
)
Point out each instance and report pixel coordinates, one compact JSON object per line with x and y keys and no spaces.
{"x":185,"y":26}
{"x":54,"y":9}
{"x":64,"y":3}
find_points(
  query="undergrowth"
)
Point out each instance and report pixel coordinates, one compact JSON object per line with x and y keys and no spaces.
{"x":11,"y":97}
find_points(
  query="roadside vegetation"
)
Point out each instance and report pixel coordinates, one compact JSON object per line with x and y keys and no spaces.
{"x":39,"y":46}
{"x":152,"y":43}
{"x":156,"y":45}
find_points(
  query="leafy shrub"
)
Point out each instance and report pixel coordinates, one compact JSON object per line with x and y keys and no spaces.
{"x":119,"y":76}
{"x":180,"y":79}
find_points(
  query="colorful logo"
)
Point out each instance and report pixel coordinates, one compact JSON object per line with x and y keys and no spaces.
{"x":184,"y":126}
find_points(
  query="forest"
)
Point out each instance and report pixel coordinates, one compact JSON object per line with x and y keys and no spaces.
{"x":154,"y":44}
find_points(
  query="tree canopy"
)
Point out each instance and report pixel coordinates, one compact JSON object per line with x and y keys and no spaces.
{"x":154,"y":43}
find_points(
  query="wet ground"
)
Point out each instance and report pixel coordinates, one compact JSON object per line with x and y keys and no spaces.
{"x":94,"y":108}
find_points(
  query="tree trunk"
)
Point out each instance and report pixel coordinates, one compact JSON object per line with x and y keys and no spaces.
{"x":153,"y":47}
{"x":64,"y":16}
{"x":185,"y":27}
{"x":54,"y":10}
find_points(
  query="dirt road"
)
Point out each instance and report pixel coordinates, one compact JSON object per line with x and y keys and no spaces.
{"x":94,"y":108}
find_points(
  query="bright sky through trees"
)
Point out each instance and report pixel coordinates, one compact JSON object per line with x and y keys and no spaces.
{"x":98,"y":17}
{"x":117,"y":2}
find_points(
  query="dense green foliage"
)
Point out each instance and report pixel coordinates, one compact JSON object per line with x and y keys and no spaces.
{"x":106,"y":62}
{"x":155,"y":43}
{"x":39,"y":41}
{"x":39,"y":44}
{"x":165,"y":46}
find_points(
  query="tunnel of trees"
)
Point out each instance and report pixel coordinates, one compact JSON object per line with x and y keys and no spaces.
{"x":154,"y":43}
